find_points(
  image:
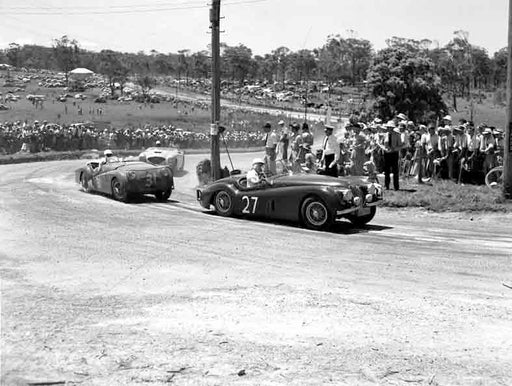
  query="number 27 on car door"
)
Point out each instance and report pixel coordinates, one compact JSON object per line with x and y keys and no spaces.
{"x":249,"y":204}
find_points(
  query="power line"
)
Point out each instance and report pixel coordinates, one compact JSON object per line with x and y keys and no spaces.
{"x":150,"y":9}
{"x":167,"y":3}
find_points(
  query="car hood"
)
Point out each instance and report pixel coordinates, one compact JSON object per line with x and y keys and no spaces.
{"x":160,"y":153}
{"x":317,"y":180}
{"x":135,"y":166}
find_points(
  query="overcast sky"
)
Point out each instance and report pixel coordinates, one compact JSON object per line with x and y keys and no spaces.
{"x":262,"y":25}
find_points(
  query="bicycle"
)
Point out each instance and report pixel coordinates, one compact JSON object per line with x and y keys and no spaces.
{"x":494,"y":178}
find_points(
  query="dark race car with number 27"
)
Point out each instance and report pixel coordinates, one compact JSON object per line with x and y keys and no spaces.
{"x":314,"y":201}
{"x":125,"y":179}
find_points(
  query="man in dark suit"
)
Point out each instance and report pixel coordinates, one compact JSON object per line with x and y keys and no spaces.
{"x":392,"y":145}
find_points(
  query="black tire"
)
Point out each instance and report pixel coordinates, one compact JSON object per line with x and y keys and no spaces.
{"x":223,"y":203}
{"x":315,"y":214}
{"x":363,"y":220}
{"x":119,"y":190}
{"x":494,"y":178}
{"x":163,"y":196}
{"x":84,"y":183}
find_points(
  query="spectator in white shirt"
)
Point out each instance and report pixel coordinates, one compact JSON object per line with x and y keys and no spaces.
{"x":271,"y":142}
{"x":330,"y":153}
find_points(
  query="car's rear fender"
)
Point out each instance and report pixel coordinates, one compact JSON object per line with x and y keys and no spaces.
{"x":208,"y":195}
{"x":85,"y":171}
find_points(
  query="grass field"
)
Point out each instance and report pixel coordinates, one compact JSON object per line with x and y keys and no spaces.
{"x":484,"y":111}
{"x":446,"y":196}
{"x":119,"y":114}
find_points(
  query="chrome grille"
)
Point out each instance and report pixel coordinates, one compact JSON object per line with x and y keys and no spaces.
{"x":156,"y":160}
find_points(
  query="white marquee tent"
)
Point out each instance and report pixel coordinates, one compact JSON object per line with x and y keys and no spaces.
{"x":80,"y":73}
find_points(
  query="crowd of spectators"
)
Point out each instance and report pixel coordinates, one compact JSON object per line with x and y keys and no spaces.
{"x":44,"y":136}
{"x":461,"y":152}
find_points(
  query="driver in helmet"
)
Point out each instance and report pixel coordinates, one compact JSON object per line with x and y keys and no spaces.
{"x":108,"y":156}
{"x":255,"y":176}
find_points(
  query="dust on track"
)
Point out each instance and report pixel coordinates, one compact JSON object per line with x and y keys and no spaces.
{"x":100,"y":292}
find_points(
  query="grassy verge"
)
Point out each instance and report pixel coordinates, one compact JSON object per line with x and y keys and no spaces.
{"x":446,"y":196}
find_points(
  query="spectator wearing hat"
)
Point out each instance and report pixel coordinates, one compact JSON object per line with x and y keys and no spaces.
{"x":255,"y":176}
{"x":401,"y":117}
{"x":499,"y":137}
{"x":284,"y":140}
{"x":271,"y":142}
{"x":307,"y":142}
{"x":430,"y":142}
{"x":458,"y":145}
{"x":447,"y":121}
{"x":358,"y":154}
{"x":330,"y":153}
{"x":469,"y":153}
{"x":391,"y":146}
{"x":420,"y":153}
{"x":487,"y":149}
{"x":445,"y":166}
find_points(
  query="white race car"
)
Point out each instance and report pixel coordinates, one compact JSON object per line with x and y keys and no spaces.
{"x":171,"y":156}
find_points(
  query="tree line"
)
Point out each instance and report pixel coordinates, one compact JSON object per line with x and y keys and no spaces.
{"x":408,"y":74}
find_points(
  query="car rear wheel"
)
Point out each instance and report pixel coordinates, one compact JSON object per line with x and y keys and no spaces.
{"x":315,"y":214}
{"x":363,"y":220}
{"x":223,"y":203}
{"x":84,"y":183}
{"x":119,"y":190}
{"x":163,"y":196}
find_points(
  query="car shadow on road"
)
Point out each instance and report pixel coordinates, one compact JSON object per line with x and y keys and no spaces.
{"x":340,"y":227}
{"x":180,"y":173}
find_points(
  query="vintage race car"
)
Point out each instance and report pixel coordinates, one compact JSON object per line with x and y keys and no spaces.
{"x":122,"y":179}
{"x":171,"y":156}
{"x":315,"y":201}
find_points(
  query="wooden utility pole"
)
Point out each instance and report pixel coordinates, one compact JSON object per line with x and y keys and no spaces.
{"x":214,"y":128}
{"x":507,"y":163}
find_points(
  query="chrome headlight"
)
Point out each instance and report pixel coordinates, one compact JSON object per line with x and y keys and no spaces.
{"x":165,"y":172}
{"x":132,"y":175}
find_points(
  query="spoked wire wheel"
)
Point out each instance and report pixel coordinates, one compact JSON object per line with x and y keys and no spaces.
{"x":223,"y":203}
{"x":315,"y":214}
{"x":494,"y":178}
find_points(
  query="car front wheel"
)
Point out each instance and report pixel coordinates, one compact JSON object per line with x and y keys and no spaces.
{"x":119,"y":190}
{"x":84,"y":183}
{"x":223,"y":203}
{"x":315,"y":214}
{"x":163,"y":196}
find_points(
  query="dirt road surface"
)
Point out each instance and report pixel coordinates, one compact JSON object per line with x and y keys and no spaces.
{"x":97,"y":292}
